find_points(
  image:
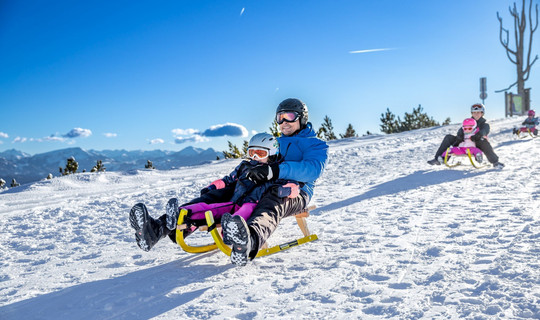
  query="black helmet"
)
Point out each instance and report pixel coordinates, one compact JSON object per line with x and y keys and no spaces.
{"x":295,"y":105}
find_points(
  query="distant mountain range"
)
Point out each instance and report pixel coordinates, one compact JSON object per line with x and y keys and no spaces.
{"x":26,"y":168}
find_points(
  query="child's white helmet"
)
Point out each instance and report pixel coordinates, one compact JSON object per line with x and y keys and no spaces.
{"x":265,"y":141}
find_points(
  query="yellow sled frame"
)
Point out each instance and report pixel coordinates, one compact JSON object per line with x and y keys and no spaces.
{"x":215,"y":231}
{"x":459,"y":162}
{"x":528,"y":131}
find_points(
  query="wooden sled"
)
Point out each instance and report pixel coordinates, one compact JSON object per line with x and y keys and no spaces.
{"x":215,"y":230}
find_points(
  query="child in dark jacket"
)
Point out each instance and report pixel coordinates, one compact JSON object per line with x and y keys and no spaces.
{"x":530,"y":124}
{"x":262,"y":148}
{"x":479,"y":138}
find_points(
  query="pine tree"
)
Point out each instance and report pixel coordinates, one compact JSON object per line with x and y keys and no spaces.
{"x":233,"y":153}
{"x":149,"y":165}
{"x":326,"y":131}
{"x":244,"y":149}
{"x":98,"y":167}
{"x":389,"y":122}
{"x":71,"y":166}
{"x":416,"y":120}
{"x":446,"y":122}
{"x":411,"y":121}
{"x":349,"y":133}
{"x":274,"y":129}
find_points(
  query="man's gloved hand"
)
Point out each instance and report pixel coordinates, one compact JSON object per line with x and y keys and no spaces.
{"x":289,"y":190}
{"x":263,"y":173}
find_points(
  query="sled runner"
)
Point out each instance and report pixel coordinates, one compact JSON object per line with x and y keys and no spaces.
{"x":215,"y":230}
{"x":458,"y":153}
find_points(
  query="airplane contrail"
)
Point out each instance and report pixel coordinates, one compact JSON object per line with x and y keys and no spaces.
{"x":371,"y":50}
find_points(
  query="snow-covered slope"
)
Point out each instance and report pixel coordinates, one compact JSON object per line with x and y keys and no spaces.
{"x":398,"y":239}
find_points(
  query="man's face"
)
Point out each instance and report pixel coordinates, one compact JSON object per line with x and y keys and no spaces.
{"x":476,"y":115}
{"x":288,"y":128}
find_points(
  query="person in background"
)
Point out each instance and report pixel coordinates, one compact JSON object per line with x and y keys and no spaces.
{"x":480,"y":139}
{"x":530,"y":124}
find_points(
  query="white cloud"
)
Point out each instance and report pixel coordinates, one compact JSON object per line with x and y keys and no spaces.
{"x":110,"y":135}
{"x":195,"y":138}
{"x":20,"y":139}
{"x":227,"y":129}
{"x":372,"y":50}
{"x":3,"y":135}
{"x":52,"y":138}
{"x":242,"y":11}
{"x":78,"y":132}
{"x":157,"y":141}
{"x":184,"y":132}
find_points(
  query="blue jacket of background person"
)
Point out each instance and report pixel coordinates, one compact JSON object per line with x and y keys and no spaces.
{"x":304,"y":158}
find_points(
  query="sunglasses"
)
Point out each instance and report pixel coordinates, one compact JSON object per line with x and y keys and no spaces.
{"x":468,"y":129}
{"x":257,"y":153}
{"x":287,"y":116}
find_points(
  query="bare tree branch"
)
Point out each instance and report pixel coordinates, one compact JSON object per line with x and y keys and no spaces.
{"x":504,"y":43}
{"x":508,"y":52}
{"x":503,"y":90}
{"x":531,"y":38}
{"x":528,"y":69}
{"x":521,"y":54}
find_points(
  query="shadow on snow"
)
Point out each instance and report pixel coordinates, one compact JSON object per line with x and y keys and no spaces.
{"x":141,"y":294}
{"x":418,"y":179}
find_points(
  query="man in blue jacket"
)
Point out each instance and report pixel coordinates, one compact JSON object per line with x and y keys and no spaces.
{"x":303,"y":160}
{"x":303,"y":157}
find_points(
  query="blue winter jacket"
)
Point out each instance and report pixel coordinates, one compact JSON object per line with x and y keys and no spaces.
{"x":304,"y":157}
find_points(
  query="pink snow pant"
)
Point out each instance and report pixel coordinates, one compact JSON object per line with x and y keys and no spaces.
{"x":219,"y":209}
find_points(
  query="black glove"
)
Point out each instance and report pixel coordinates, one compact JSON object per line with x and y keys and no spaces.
{"x":208,"y":189}
{"x":477,"y":137}
{"x":263,"y":173}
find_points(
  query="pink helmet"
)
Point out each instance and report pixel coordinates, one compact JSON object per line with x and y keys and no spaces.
{"x":469,"y":125}
{"x":531,"y":113}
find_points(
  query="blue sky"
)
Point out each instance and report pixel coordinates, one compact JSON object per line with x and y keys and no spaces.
{"x":171,"y":74}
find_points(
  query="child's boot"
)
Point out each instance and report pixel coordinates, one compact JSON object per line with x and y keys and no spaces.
{"x":148,"y":231}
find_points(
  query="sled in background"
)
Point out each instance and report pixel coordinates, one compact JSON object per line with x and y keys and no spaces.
{"x":454,"y":155}
{"x":525,"y":132}
{"x":215,"y":230}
